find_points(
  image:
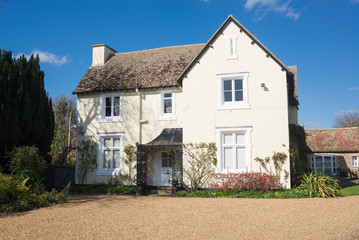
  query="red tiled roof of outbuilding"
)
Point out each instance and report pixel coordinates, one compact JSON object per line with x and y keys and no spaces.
{"x":333,"y":140}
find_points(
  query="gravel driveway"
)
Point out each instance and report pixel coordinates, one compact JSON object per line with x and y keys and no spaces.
{"x":155,"y":217}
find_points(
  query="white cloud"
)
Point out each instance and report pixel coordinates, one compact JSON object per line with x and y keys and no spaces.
{"x":47,"y":57}
{"x":354,"y":1}
{"x":353,"y":88}
{"x":263,"y":7}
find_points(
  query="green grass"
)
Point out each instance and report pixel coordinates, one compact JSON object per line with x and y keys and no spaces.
{"x":286,"y":193}
{"x":350,"y":190}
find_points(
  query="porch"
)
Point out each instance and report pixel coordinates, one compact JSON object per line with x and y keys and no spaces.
{"x":159,"y":162}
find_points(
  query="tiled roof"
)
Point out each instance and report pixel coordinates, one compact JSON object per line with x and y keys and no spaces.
{"x":333,"y":140}
{"x":152,"y":68}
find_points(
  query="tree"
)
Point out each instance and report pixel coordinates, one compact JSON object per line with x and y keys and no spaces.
{"x":26,"y":116}
{"x":64,"y":135}
{"x":347,"y":119}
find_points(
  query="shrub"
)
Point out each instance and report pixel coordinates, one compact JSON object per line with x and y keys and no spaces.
{"x":15,"y":196}
{"x":26,"y":162}
{"x":87,"y":159}
{"x":319,"y":185}
{"x":245,"y":182}
{"x":122,"y":190}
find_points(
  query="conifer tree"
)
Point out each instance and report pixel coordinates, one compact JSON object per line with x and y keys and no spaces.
{"x":26,"y":115}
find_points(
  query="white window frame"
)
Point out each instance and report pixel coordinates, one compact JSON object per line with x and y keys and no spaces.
{"x":220,"y":153}
{"x":232,"y":47}
{"x":355,"y":161}
{"x":101,"y":148}
{"x":333,"y":168}
{"x":162,"y":115}
{"x":234,"y":104}
{"x":103,"y":117}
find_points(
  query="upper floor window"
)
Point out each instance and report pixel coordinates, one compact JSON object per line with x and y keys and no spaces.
{"x":111,"y":107}
{"x":233,"y":92}
{"x":355,"y":161}
{"x":232,"y":47}
{"x":167,"y":105}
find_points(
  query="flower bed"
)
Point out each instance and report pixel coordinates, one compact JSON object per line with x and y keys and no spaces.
{"x":253,"y":181}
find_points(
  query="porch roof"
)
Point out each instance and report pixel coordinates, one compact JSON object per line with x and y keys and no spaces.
{"x":168,"y":137}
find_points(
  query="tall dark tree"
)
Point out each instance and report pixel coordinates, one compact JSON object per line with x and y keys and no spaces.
{"x":26,"y":115}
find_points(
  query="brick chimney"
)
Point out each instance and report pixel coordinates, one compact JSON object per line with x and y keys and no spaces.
{"x":101,"y":53}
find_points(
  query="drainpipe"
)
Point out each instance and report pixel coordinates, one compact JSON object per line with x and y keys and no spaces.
{"x":140,"y":121}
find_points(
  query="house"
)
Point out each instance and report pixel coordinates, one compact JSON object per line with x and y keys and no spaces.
{"x":232,"y":91}
{"x":334,"y":150}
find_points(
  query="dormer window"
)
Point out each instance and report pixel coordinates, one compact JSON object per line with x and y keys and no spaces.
{"x":232,"y":47}
{"x":111,"y":108}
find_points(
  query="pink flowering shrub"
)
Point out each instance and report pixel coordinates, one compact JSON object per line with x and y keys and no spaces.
{"x":253,"y":181}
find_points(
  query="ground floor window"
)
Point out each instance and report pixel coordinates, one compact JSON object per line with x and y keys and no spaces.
{"x":324,"y":164}
{"x":355,"y":161}
{"x":233,"y":145}
{"x":110,"y":154}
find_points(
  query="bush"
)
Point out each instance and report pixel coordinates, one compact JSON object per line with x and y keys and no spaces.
{"x":15,"y":196}
{"x":245,"y":182}
{"x":122,"y":190}
{"x":319,"y":185}
{"x":26,"y":162}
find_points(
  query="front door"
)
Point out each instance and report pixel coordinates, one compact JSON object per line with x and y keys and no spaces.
{"x":166,"y":169}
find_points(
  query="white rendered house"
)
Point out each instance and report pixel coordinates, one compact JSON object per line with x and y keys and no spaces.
{"x":232,"y":91}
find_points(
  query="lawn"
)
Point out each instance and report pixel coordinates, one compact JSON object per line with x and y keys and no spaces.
{"x":350,"y":190}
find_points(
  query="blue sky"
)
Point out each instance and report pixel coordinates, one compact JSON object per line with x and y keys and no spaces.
{"x":320,"y":36}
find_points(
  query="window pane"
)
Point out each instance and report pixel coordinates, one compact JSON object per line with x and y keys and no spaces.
{"x":108,"y":107}
{"x":327,"y":162}
{"x":228,"y":96}
{"x":239,"y":96}
{"x":107,"y":142}
{"x":106,"y":159}
{"x":168,"y":95}
{"x":238,"y":84}
{"x":228,"y":158}
{"x":228,"y":138}
{"x":116,"y":106}
{"x":241,"y":138}
{"x":116,"y":159}
{"x":241,"y":158}
{"x":318,"y":162}
{"x":116,"y":142}
{"x":227,"y":85}
{"x":167,"y":105}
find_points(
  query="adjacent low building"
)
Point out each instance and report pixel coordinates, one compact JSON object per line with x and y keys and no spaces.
{"x":333,"y":151}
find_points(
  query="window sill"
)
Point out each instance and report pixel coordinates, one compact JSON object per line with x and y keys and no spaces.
{"x":232,"y":57}
{"x":109,"y":172}
{"x":233,"y":106}
{"x":167,"y":118}
{"x":110,"y":120}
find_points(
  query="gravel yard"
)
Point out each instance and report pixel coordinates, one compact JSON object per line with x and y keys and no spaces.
{"x":156,"y":217}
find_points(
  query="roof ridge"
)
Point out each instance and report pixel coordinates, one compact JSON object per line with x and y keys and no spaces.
{"x":146,"y":50}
